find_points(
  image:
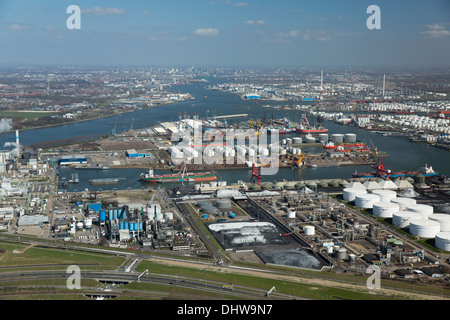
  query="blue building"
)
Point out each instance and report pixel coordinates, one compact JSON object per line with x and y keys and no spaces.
{"x":252,"y":96}
{"x":134,"y":154}
{"x":72,"y":159}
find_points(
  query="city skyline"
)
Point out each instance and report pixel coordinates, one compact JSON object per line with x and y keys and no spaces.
{"x":228,"y":33}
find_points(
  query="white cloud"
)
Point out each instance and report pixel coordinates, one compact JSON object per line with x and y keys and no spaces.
{"x":103,"y":11}
{"x":436,"y":31}
{"x":254,"y":23}
{"x":16,"y":26}
{"x":206,"y":32}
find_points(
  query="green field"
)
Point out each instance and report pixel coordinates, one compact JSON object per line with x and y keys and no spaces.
{"x":27,"y":115}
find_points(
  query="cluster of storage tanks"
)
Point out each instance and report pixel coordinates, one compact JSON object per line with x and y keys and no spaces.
{"x":439,"y":125}
{"x":406,"y":213}
{"x":222,"y":207}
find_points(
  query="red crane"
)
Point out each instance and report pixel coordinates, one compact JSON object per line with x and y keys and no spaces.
{"x":255,"y":174}
{"x":381,"y":169}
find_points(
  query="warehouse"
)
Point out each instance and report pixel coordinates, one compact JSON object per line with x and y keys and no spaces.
{"x":132,"y":154}
{"x":72,"y":159}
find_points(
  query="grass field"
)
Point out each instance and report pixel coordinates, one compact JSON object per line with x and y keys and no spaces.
{"x":27,"y":115}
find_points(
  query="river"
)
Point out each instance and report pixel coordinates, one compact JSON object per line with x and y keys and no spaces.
{"x":404,"y":154}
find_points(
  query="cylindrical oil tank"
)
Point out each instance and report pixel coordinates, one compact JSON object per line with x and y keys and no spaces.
{"x":384,"y":209}
{"x":402,"y":219}
{"x":223,"y":204}
{"x":202,"y":204}
{"x":403,"y":202}
{"x":424,"y":209}
{"x":330,"y":249}
{"x":288,"y":141}
{"x":443,"y":219}
{"x":442,"y":241}
{"x":297,"y":140}
{"x":352,"y":257}
{"x":121,"y":225}
{"x":290,"y":185}
{"x":309,"y":230}
{"x":366,"y":201}
{"x":341,"y":254}
{"x":350,"y":137}
{"x":349,"y":194}
{"x":337,"y":138}
{"x":385,"y":195}
{"x":291,"y":214}
{"x":424,"y":228}
{"x":168,"y":215}
{"x":323,"y":137}
{"x":310,"y":140}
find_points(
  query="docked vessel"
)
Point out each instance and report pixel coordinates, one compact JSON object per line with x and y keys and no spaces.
{"x":384,"y":173}
{"x":330,"y":145}
{"x":150,"y":176}
{"x":305,"y":127}
{"x":104,"y":181}
{"x":97,"y":167}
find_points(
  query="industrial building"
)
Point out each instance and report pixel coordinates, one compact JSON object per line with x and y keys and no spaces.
{"x":72,"y":159}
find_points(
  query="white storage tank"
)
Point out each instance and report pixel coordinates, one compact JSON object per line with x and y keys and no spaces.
{"x":349,"y":194}
{"x":443,"y":219}
{"x":385,"y":195}
{"x":323,"y":137}
{"x":337,"y":138}
{"x":403,"y":202}
{"x":366,"y":201}
{"x":384,"y":209}
{"x":424,"y":209}
{"x":309,"y":230}
{"x":424,"y":228}
{"x":402,"y":219}
{"x":442,"y":241}
{"x":291,"y":214}
{"x":297,"y":140}
{"x":350,"y":137}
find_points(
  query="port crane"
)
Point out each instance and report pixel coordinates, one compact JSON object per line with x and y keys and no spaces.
{"x":374,"y":148}
{"x":299,"y":161}
{"x":381,"y":169}
{"x":255,"y":174}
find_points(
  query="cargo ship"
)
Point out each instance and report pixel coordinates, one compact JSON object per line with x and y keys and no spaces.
{"x":305,"y":127}
{"x":104,"y":181}
{"x":97,"y":167}
{"x":150,"y":176}
{"x":384,"y":173}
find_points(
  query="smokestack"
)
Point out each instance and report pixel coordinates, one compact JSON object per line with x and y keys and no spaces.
{"x":384,"y":83}
{"x":17,"y":138}
{"x":321,"y":79}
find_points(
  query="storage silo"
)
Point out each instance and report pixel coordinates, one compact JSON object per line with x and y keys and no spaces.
{"x":366,"y":201}
{"x":403,"y":202}
{"x":297,"y":140}
{"x":337,"y":138}
{"x":385,"y":195}
{"x":288,"y":141}
{"x":309,"y":230}
{"x":341,"y":254}
{"x":443,"y":219}
{"x":223,"y":204}
{"x":424,"y":228}
{"x":424,"y":209}
{"x":323,"y":137}
{"x":442,"y":241}
{"x":402,"y":219}
{"x":350,"y":137}
{"x":349,"y":194}
{"x":384,"y":209}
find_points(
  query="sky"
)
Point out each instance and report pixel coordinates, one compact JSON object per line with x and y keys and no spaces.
{"x":414,"y":33}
